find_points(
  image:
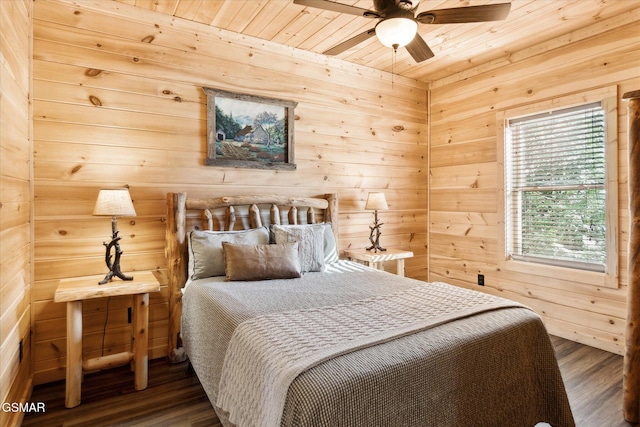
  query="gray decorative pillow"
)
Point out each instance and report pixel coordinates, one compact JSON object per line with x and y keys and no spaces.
{"x":206,"y":258}
{"x":261,"y":262}
{"x":311,"y":243}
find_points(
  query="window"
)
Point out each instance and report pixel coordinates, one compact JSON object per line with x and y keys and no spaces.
{"x":556,"y":187}
{"x":560,"y":207}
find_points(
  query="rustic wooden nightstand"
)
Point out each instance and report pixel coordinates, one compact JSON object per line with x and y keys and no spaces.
{"x":75,"y":290}
{"x":377,"y":259}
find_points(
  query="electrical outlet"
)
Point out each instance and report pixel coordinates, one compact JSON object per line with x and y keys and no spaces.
{"x":480,"y":279}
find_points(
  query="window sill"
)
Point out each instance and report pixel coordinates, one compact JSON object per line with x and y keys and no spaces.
{"x":563,"y":273}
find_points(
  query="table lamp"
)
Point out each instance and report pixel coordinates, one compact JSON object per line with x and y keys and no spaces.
{"x":114,"y":202}
{"x":376,"y":202}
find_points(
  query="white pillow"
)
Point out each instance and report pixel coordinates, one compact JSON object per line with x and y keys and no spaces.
{"x":330,"y":246}
{"x":206,"y":258}
{"x":310,"y":238}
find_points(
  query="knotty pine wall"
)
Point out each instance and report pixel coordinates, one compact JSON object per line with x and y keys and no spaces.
{"x":118,"y":101}
{"x":463,"y":169}
{"x":16,"y":232}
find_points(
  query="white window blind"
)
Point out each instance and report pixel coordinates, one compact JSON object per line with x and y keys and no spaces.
{"x":556,"y":197}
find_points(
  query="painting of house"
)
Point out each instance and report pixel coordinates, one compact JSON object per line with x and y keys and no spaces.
{"x":259,"y":136}
{"x":254,"y":135}
{"x":243,"y":134}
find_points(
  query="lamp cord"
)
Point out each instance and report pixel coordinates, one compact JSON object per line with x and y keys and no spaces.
{"x":104,"y":329}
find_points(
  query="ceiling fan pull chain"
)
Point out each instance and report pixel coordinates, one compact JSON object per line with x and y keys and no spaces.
{"x":393,"y":63}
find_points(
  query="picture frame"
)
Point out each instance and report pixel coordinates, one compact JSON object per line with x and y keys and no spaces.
{"x":249,"y":131}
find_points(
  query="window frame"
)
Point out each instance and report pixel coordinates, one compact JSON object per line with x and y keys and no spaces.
{"x":610,"y":277}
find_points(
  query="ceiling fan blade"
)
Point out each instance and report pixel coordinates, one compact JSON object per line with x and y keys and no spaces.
{"x":462,"y":15}
{"x":333,"y":6}
{"x":419,"y":50}
{"x":348,"y":44}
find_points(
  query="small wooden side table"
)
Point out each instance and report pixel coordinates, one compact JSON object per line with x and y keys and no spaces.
{"x":377,"y":259}
{"x":75,"y":290}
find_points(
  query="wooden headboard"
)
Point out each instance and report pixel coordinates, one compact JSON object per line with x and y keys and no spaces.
{"x":228,"y":213}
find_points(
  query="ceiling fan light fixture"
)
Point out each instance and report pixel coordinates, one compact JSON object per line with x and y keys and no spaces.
{"x":396,"y":32}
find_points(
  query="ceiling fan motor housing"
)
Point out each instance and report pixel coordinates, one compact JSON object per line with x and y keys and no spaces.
{"x":408,"y":4}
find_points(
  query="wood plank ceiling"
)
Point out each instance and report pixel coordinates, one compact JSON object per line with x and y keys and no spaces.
{"x":457,"y":47}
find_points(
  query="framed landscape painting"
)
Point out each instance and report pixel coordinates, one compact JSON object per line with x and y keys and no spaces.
{"x":248,"y":131}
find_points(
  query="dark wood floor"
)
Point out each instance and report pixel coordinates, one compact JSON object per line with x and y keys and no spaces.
{"x":593,"y":379}
{"x":175,"y":398}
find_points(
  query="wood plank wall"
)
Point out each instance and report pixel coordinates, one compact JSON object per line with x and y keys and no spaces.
{"x":16,"y":230}
{"x":118,"y":101}
{"x":463,"y":169}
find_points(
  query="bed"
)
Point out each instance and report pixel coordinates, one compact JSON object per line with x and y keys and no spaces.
{"x":281,"y":332}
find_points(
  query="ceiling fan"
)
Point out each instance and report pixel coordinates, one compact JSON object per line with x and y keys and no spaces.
{"x":398,"y":24}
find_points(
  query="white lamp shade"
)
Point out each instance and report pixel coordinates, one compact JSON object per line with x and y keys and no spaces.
{"x":377,"y":202}
{"x":114,"y":202}
{"x":396,"y":32}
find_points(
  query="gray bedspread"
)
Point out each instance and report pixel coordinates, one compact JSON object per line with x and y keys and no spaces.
{"x":496,"y":368}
